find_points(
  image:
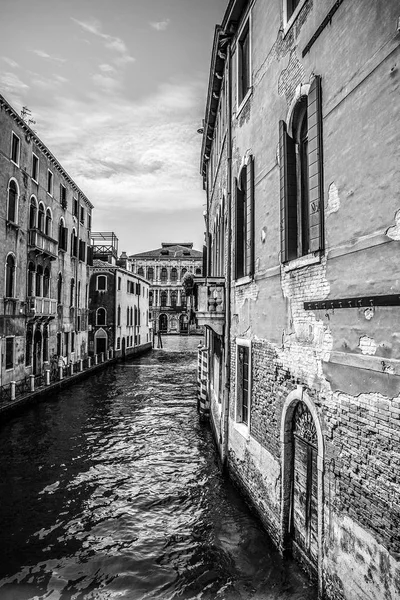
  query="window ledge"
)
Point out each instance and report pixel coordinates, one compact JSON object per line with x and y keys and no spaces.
{"x":243,"y":281}
{"x":13,"y":224}
{"x":289,"y":23}
{"x":244,"y":101}
{"x":243,"y":429}
{"x":14,"y":163}
{"x":302,"y":261}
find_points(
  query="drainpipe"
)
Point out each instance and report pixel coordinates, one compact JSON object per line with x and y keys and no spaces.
{"x":224,"y":452}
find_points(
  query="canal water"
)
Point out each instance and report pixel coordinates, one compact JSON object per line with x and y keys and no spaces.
{"x":111,"y":490}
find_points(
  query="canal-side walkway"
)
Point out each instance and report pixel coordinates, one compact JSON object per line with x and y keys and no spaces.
{"x":18,"y":394}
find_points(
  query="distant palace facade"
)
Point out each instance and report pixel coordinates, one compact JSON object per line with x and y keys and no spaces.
{"x":165,"y":268}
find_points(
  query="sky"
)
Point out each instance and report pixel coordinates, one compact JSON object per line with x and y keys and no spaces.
{"x":117,"y":90}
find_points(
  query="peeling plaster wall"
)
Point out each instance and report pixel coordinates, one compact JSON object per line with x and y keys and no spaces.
{"x":347,"y":360}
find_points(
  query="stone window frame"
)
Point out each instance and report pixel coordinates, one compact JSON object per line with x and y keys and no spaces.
{"x":7,"y":365}
{"x":241,"y":103}
{"x":286,"y":442}
{"x":18,"y":152}
{"x":243,"y":427}
{"x":16,"y":204}
{"x":37,"y":163}
{"x":288,"y":22}
{"x":50,"y":182}
{"x":98,"y":289}
{"x":104,"y":323}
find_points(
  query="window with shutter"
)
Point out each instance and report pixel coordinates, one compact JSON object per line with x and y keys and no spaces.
{"x":301,"y":184}
{"x":243,"y":373}
{"x":244,"y":222}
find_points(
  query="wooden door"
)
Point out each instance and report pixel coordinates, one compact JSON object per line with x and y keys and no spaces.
{"x":305,"y":484}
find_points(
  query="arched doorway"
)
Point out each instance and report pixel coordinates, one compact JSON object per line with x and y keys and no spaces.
{"x":163,"y":323}
{"x":100,"y":340}
{"x":37,"y":352}
{"x":123,"y":347}
{"x":302,"y":482}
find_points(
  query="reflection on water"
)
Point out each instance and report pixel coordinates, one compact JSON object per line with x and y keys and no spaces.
{"x":111,"y":490}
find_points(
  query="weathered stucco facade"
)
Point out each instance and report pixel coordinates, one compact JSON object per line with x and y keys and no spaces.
{"x":45,"y":251}
{"x":165,"y":268}
{"x":300,"y":161}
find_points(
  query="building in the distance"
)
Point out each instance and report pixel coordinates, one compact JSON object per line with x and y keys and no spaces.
{"x":164,"y":268}
{"x":44,"y":249}
{"x":118,"y":302}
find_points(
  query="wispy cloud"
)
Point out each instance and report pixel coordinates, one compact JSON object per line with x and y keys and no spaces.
{"x":147,"y":163}
{"x":111,"y":42}
{"x":106,"y":68}
{"x":108,"y":84}
{"x":13,"y":88}
{"x":160,"y":25}
{"x":44,"y":54}
{"x":10,"y":62}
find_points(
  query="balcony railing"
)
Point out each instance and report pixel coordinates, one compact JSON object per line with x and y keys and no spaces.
{"x":42,"y":243}
{"x":45,"y":307}
{"x":210,"y":302}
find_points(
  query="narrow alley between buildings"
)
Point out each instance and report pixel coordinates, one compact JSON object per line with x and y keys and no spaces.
{"x":112,"y":489}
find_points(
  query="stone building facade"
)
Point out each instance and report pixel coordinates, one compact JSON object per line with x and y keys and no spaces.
{"x":164,"y":268}
{"x":118,"y":302}
{"x":45,"y":251}
{"x":300,"y":160}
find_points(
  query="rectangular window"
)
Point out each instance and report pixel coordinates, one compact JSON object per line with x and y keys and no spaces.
{"x":82,"y":250}
{"x":9,"y":353}
{"x":89,"y":221}
{"x":72,"y":341}
{"x":63,"y":196}
{"x":244,"y":74}
{"x":35,"y":168}
{"x":59,"y":339}
{"x":66,"y":343}
{"x":15,"y":148}
{"x":82,"y":219}
{"x":119,"y":283}
{"x":50,"y":182}
{"x":243,"y":381}
{"x":301,"y":178}
{"x":75,"y":207}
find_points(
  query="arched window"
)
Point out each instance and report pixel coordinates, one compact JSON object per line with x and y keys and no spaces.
{"x":40,"y":224}
{"x":164,"y":296}
{"x":48,"y":224}
{"x":101,"y":316}
{"x":151,"y":299}
{"x":198,"y":271}
{"x":140,"y":271}
{"x":127,"y":316}
{"x":131,"y":316}
{"x":46,"y":283}
{"x":174,"y":275}
{"x":79,"y":294}
{"x":39,"y":281}
{"x":244,"y":239}
{"x":150,"y":274}
{"x":174,"y":297}
{"x":135,"y":321}
{"x":183,"y":298}
{"x":101,"y":283}
{"x":301,"y":166}
{"x":60,"y":289}
{"x":183,"y":271}
{"x":164,"y":275}
{"x":72,"y":292}
{"x":33,"y":213}
{"x":119,"y":315}
{"x":12,"y":211}
{"x":31,"y":279}
{"x":10,"y":276}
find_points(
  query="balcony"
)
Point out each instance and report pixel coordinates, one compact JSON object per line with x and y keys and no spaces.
{"x":210,"y":302}
{"x":41,"y":243}
{"x":41,"y":307}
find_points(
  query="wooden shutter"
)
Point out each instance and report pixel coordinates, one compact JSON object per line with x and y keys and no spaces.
{"x":288,"y":194}
{"x":315,"y":178}
{"x":250,"y":218}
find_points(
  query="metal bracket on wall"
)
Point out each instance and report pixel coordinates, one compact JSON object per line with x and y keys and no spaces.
{"x":358,"y":302}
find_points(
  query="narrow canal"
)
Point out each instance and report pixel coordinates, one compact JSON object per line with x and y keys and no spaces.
{"x":111,"y":490}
